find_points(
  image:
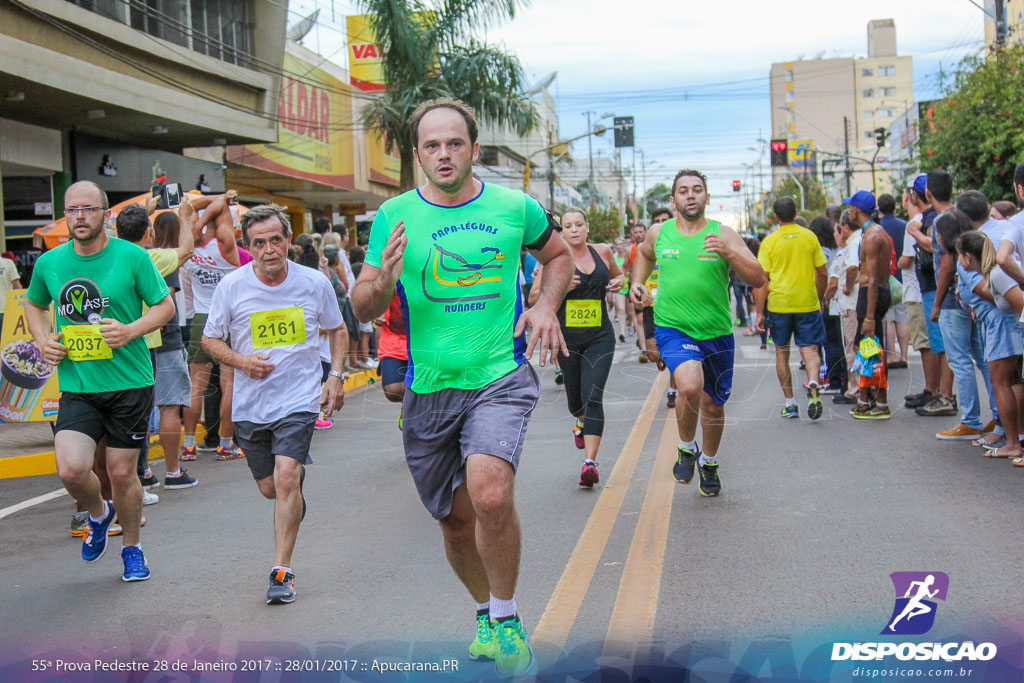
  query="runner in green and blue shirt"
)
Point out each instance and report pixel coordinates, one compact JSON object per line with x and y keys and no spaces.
{"x":451,"y":250}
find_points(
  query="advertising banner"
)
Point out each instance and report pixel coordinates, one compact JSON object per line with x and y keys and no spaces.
{"x":364,"y":55}
{"x":314,"y":134}
{"x":28,"y":386}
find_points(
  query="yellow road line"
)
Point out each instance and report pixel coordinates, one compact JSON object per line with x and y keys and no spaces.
{"x":636,"y":605}
{"x":552,"y":630}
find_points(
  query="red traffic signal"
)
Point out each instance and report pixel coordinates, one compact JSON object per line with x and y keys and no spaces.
{"x":780,"y":152}
{"x":736,"y":186}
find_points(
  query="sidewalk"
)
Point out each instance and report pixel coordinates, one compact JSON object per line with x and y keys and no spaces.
{"x":26,"y":448}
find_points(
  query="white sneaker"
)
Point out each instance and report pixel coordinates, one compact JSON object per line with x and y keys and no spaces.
{"x":370,"y":364}
{"x":149,"y":498}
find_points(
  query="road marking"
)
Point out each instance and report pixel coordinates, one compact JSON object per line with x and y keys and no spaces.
{"x":636,"y":605}
{"x":31,"y":502}
{"x":556,"y":622}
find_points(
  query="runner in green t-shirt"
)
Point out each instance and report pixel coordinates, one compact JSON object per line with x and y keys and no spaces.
{"x":451,"y":250}
{"x":99,"y":286}
{"x":693,"y":322}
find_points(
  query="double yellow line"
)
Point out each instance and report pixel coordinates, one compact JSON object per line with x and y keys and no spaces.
{"x":632,"y":621}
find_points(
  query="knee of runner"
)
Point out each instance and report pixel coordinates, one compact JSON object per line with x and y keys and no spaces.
{"x":690,"y":385}
{"x":287,"y":478}
{"x":492,"y":502}
{"x":121,"y":471}
{"x":71,"y":472}
{"x":266,"y":487}
{"x":394,"y":392}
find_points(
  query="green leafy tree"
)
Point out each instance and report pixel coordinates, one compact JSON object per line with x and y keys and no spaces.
{"x":815,"y":199}
{"x":429,"y":52}
{"x":975,"y":132}
{"x":605,"y":224}
{"x":656,"y":197}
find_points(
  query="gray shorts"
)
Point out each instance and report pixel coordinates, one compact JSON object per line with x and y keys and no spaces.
{"x":290,"y":436}
{"x":171,"y":385}
{"x":442,"y":429}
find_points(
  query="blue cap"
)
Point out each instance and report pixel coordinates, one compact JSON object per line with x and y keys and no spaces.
{"x":921,"y":183}
{"x":863,"y":200}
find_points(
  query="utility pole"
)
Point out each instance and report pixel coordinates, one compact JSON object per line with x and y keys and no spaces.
{"x":636,"y":200}
{"x":1000,"y":23}
{"x":846,"y":154}
{"x":551,"y":173}
{"x":643,"y":169}
{"x":590,"y":157}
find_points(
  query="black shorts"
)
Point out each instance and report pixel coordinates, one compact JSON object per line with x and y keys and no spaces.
{"x":121,"y":416}
{"x":392,"y":370}
{"x":290,"y":436}
{"x":882,"y":303}
{"x":649,"y":322}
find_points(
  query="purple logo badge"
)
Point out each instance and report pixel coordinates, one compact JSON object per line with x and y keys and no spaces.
{"x":916,"y":592}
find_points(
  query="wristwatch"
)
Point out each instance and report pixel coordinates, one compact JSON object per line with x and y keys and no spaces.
{"x":340,"y":375}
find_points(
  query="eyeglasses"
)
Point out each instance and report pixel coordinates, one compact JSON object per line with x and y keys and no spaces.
{"x":87,"y":210}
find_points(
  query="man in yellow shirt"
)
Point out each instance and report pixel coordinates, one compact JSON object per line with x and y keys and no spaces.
{"x":795,"y":263}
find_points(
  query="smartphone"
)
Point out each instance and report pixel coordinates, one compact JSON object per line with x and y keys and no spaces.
{"x":171,"y":196}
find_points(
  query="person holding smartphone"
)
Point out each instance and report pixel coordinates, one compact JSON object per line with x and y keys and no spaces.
{"x":265,"y":321}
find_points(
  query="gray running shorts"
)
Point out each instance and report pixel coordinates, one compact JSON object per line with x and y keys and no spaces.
{"x":443,"y":428}
{"x":290,"y":436}
{"x":171,"y":383}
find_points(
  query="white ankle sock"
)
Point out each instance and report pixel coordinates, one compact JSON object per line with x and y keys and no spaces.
{"x":688,"y":446}
{"x":502,"y":608}
{"x":190,"y":441}
{"x":106,"y":511}
{"x":705,"y":460}
{"x":483,"y":606}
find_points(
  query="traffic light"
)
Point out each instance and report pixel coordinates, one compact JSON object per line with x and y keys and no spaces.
{"x":880,"y":136}
{"x":623,"y":131}
{"x":736,"y":186}
{"x":780,"y":152}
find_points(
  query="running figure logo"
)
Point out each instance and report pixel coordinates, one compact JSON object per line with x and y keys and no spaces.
{"x":458,"y":276}
{"x":914,"y":612}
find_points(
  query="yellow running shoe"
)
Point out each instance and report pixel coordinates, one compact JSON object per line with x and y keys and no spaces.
{"x":484,"y":645}
{"x":514,"y":656}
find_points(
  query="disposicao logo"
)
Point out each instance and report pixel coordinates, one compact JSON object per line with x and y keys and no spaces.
{"x":914,"y":614}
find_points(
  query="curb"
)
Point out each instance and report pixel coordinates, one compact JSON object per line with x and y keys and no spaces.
{"x":38,"y":464}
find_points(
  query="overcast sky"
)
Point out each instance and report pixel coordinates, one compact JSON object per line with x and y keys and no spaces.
{"x":645,"y":61}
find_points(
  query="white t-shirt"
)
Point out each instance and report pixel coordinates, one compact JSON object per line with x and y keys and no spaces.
{"x":837,"y":270}
{"x":206,"y":269}
{"x":1013,"y":231}
{"x":1001,"y":283}
{"x":911,"y":287}
{"x":294,"y":384}
{"x":851,"y":260}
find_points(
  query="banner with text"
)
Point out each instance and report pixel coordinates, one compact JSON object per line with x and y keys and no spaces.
{"x":28,"y":386}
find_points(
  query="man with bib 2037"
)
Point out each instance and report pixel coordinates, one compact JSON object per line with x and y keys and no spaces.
{"x":273,"y":313}
{"x":99,"y":286}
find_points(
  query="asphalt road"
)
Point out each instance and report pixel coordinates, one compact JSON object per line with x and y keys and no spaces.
{"x":639,"y":574}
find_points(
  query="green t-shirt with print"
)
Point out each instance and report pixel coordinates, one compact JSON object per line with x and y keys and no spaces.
{"x":113,"y":283}
{"x":460,"y":283}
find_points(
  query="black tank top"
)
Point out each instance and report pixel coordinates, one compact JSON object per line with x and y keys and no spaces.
{"x":585,"y":306}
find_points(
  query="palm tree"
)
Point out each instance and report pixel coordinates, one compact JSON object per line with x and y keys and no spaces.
{"x":429,"y":52}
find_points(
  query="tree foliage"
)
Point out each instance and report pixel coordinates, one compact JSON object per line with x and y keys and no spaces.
{"x":429,"y":52}
{"x":656,"y":197}
{"x":975,"y":132}
{"x":814,"y":195}
{"x":605,"y":224}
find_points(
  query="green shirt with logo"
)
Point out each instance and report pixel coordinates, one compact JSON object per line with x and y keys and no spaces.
{"x":693,"y":286}
{"x":113,"y":283}
{"x":460,"y":283}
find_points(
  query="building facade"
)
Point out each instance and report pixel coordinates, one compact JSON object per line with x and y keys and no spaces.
{"x":114,"y":91}
{"x":834,"y":108}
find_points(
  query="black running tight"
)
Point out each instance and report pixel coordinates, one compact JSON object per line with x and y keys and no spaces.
{"x":585,"y":371}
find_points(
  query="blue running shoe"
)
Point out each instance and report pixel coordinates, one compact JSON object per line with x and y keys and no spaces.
{"x":95,"y":542}
{"x":135,"y":566}
{"x":791,"y":412}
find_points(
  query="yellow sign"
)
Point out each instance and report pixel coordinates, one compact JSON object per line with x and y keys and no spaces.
{"x":279,"y":327}
{"x":364,"y":54}
{"x":582,"y":313}
{"x":801,"y":152}
{"x":28,"y":388}
{"x":385,"y":164}
{"x":314,"y":133}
